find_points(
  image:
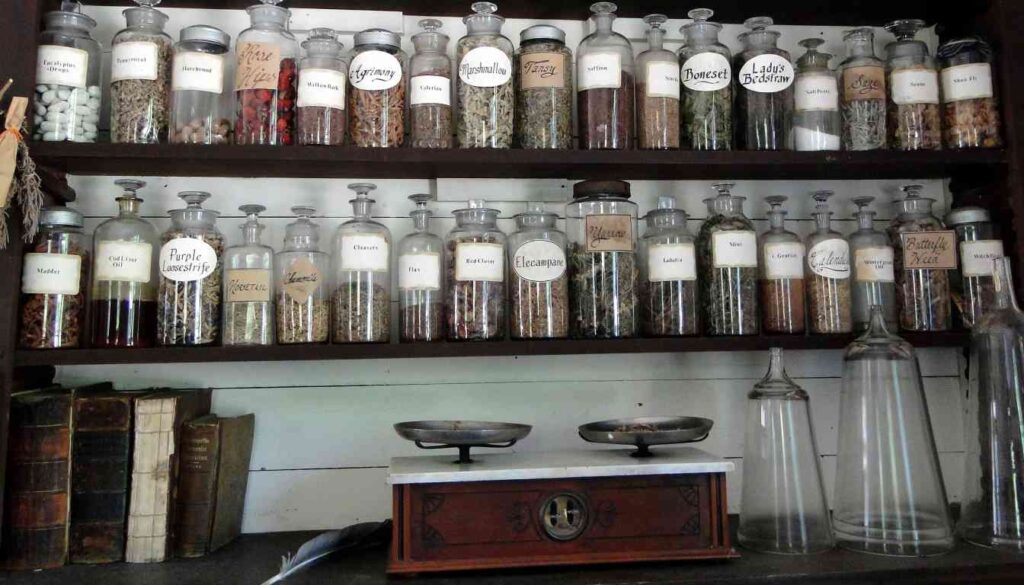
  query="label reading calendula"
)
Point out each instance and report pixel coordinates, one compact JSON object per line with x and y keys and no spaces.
{"x":247,"y":285}
{"x":121,"y":261}
{"x":784,"y":260}
{"x":134,"y":60}
{"x":599,"y":71}
{"x":671,"y":262}
{"x":419,"y":272}
{"x":874,"y":265}
{"x":51,"y":274}
{"x":476,"y":261}
{"x":977,"y":256}
{"x":734,"y":249}
{"x":830,"y":259}
{"x":542,"y":70}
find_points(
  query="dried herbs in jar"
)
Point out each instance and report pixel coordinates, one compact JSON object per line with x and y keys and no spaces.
{"x":764,"y":98}
{"x":377,"y":88}
{"x":140,"y":72}
{"x":669,"y":296}
{"x":913,"y":83}
{"x":782,"y":274}
{"x":539,"y":276}
{"x":829,"y":300}
{"x":475,"y":275}
{"x":657,"y":90}
{"x":727,"y":256}
{"x":421,"y":300}
{"x":248,"y":286}
{"x":322,"y":117}
{"x":484,"y":87}
{"x":544,"y":89}
{"x":924,"y":255}
{"x":362,"y":275}
{"x":970,"y":110}
{"x":706,"y":77}
{"x":605,"y":78}
{"x":862,"y":86}
{"x":430,"y":88}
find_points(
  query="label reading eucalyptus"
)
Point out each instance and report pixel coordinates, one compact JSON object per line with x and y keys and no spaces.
{"x":784,"y":260}
{"x":830,"y":259}
{"x":187,"y":260}
{"x":929,"y":250}
{"x":361,"y":253}
{"x":322,"y":88}
{"x":977,"y":256}
{"x":706,"y":72}
{"x":768,"y":73}
{"x":197,"y":71}
{"x":915,"y":86}
{"x":134,"y":60}
{"x":663,"y":80}
{"x":430,"y":89}
{"x":671,"y":262}
{"x":56,"y":65}
{"x":816,"y":93}
{"x":51,"y":274}
{"x":542,"y":70}
{"x":599,"y":71}
{"x":734,"y":249}
{"x":609,"y":233}
{"x":419,"y":272}
{"x":874,"y":265}
{"x":539,"y":261}
{"x":374,"y":71}
{"x":967,"y":82}
{"x":476,"y":261}
{"x":121,"y":261}
{"x":485,"y":67}
{"x":247,"y":285}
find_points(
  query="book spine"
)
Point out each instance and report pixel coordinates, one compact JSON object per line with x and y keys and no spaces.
{"x":151,"y":481}
{"x":197,"y":488}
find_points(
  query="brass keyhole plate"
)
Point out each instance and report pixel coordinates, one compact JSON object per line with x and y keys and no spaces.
{"x":564,"y":516}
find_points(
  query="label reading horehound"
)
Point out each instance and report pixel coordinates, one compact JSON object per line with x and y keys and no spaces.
{"x":187,"y":260}
{"x":670,"y":262}
{"x":258,"y":66}
{"x":321,"y":88}
{"x":816,"y":93}
{"x":967,"y":82}
{"x":830,"y":259}
{"x":430,"y":89}
{"x":663,"y":80}
{"x":706,"y":72}
{"x":51,"y":274}
{"x":374,"y":71}
{"x":247,"y":285}
{"x":915,"y":86}
{"x":301,"y":279}
{"x":485,"y":67}
{"x":874,"y":265}
{"x":929,"y":250}
{"x":542,"y":70}
{"x":367,"y":253}
{"x":599,"y":71}
{"x":784,"y":260}
{"x":539,"y":261}
{"x":768,"y":73}
{"x":124,"y":261}
{"x":197,"y":71}
{"x":61,"y":66}
{"x":134,"y":60}
{"x":479,"y":262}
{"x":419,"y":272}
{"x":977,"y":256}
{"x":734,"y":249}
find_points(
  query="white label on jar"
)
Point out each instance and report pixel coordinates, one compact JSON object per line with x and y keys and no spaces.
{"x":874,"y":265}
{"x":768,"y":73}
{"x":915,"y":86}
{"x":51,"y":274}
{"x":977,"y":256}
{"x":195,"y":71}
{"x":663,"y":80}
{"x":784,"y":260}
{"x":734,"y":249}
{"x":599,"y":71}
{"x":187,"y":260}
{"x":481,"y":262}
{"x":485,"y":67}
{"x":365,"y":253}
{"x":62,"y":66}
{"x":669,"y":262}
{"x":374,"y":71}
{"x":967,"y":82}
{"x":419,"y":272}
{"x":321,"y":88}
{"x":430,"y":89}
{"x":539,"y":261}
{"x":830,"y":259}
{"x":816,"y":93}
{"x":134,"y":60}
{"x":706,"y":72}
{"x":122,"y":261}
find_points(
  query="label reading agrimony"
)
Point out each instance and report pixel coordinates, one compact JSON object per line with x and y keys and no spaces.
{"x":929,"y":250}
{"x":187,"y":260}
{"x":198,"y":72}
{"x":375,"y":71}
{"x":539,"y":261}
{"x":599,"y":71}
{"x":51,"y":274}
{"x":734,"y":249}
{"x":480,"y":262}
{"x":967,"y":82}
{"x":830,"y":259}
{"x":134,"y":60}
{"x":977,"y":256}
{"x":816,"y":93}
{"x":766,"y":73}
{"x":249,"y":285}
{"x":609,"y":233}
{"x":62,"y":66}
{"x":321,"y":88}
{"x":542,"y":70}
{"x":124,"y":261}
{"x":364,"y":253}
{"x":258,"y":64}
{"x":706,"y":72}
{"x":419,"y":272}
{"x":663,"y":80}
{"x":670,"y":262}
{"x":915,"y":86}
{"x":864,"y":83}
{"x":784,"y":260}
{"x":301,"y":279}
{"x":485,"y":67}
{"x":430,"y":89}
{"x":874,"y":265}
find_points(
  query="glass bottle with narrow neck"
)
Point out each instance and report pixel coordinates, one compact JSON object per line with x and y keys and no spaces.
{"x":913,"y":82}
{"x":707,"y":90}
{"x":668,"y":251}
{"x":782,"y":273}
{"x":828,"y":273}
{"x":475,"y":274}
{"x":727,"y":252}
{"x":605,"y":80}
{"x":816,"y":100}
{"x":302,"y":287}
{"x":922,"y":271}
{"x":765,"y":76}
{"x":862,"y":86}
{"x":362,"y":275}
{"x":657,"y":87}
{"x":322,"y":115}
{"x":874,"y":282}
{"x":420,"y":282}
{"x":484,"y":87}
{"x":430,"y":88}
{"x":248,"y":285}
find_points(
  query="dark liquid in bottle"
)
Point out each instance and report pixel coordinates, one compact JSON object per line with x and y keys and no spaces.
{"x":119,"y":323}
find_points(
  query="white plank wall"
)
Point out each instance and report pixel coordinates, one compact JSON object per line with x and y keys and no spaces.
{"x":323,"y":433}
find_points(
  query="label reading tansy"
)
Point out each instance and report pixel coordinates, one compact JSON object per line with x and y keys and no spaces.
{"x":542,"y":70}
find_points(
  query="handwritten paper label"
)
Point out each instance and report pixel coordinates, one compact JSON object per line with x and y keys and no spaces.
{"x":61,"y":66}
{"x":485,"y":67}
{"x":542,"y":70}
{"x":51,"y":274}
{"x":247,"y":285}
{"x":784,"y":260}
{"x":915,"y":86}
{"x":122,"y":261}
{"x":734,"y":249}
{"x":977,"y":256}
{"x":539,"y":261}
{"x":609,"y":233}
{"x":864,"y":83}
{"x":259,"y":64}
{"x":419,"y":272}
{"x":830,"y":259}
{"x":599,"y":71}
{"x":874,"y":265}
{"x":663,"y":80}
{"x":671,"y":262}
{"x":479,"y":262}
{"x":321,"y":88}
{"x":706,"y":72}
{"x":374,"y":71}
{"x":197,"y":71}
{"x":768,"y":73}
{"x":134,"y":60}
{"x":364,"y":253}
{"x":929,"y":250}
{"x":430,"y":89}
{"x":816,"y":93}
{"x":187,"y":260}
{"x":967,"y":82}
{"x":301,"y":279}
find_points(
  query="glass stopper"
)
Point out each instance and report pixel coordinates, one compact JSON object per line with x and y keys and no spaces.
{"x":130,"y":186}
{"x":666,"y":202}
{"x":476,"y":204}
{"x":271,"y":2}
{"x":775,"y":201}
{"x":812,"y":44}
{"x":535,"y":207}
{"x":603,"y":8}
{"x":303,"y":211}
{"x":484,"y":7}
{"x":323,"y":34}
{"x":362,"y":189}
{"x":822,"y":196}
{"x":906,"y":29}
{"x":701,"y":14}
{"x":758,"y":22}
{"x":862,"y":202}
{"x":432,"y":24}
{"x":912,"y":191}
{"x":421,"y":199}
{"x":655,"y":20}
{"x":194,"y":199}
{"x":863,"y":33}
{"x":147,"y":3}
{"x":70,"y":6}
{"x":252,"y":210}
{"x":723,"y":189}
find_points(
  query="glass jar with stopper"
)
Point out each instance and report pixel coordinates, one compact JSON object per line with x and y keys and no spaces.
{"x":198,"y":113}
{"x":706,"y":77}
{"x":874,"y":282}
{"x":924,"y":254}
{"x":975,"y":292}
{"x":362,"y":275}
{"x":140,"y":77}
{"x":828,"y":273}
{"x":669,"y":273}
{"x":377,"y":90}
{"x":764,"y":106}
{"x":301,"y":289}
{"x":475,"y":275}
{"x":657,"y":88}
{"x":605,"y":84}
{"x":816,"y":101}
{"x":539,"y":276}
{"x":544,"y":89}
{"x":124,"y":282}
{"x":782,"y":273}
{"x":248,"y":285}
{"x":913,"y":83}
{"x":421,"y":298}
{"x":862,"y":79}
{"x":265,"y":75}
{"x":727,"y":257}
{"x":430,"y":88}
{"x":486,"y":115}
{"x":320,"y":107}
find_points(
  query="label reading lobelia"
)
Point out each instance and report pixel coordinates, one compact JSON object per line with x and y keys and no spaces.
{"x":134,"y":60}
{"x":485,"y":67}
{"x":874,"y":265}
{"x":830,"y":259}
{"x":259,"y":65}
{"x":187,"y":260}
{"x":419,"y":272}
{"x":62,"y":66}
{"x":374,"y":71}
{"x":247,"y":285}
{"x":321,"y":88}
{"x":929,"y":250}
{"x":301,"y":280}
{"x":51,"y":274}
{"x":430,"y":89}
{"x":977,"y":256}
{"x":967,"y":82}
{"x":542,"y":70}
{"x":663,"y":80}
{"x":479,"y":262}
{"x":124,"y":261}
{"x":706,"y":72}
{"x":784,"y":260}
{"x":671,"y":262}
{"x":816,"y":93}
{"x":734,"y":249}
{"x":609,"y":233}
{"x":539,"y":261}
{"x":915,"y":86}
{"x":766,"y":74}
{"x":599,"y":71}
{"x":197,"y":71}
{"x":364,"y":253}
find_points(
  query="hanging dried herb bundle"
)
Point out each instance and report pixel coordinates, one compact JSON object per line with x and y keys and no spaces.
{"x":189,"y":311}
{"x":604,"y":294}
{"x":362,"y":312}
{"x":476,"y":308}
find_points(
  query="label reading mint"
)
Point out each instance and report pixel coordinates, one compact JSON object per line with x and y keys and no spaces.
{"x":198,"y":72}
{"x":51,"y":274}
{"x":816,"y":93}
{"x":121,"y":261}
{"x":485,"y":67}
{"x":830,"y":259}
{"x":671,"y":262}
{"x":321,"y":88}
{"x":364,"y":253}
{"x":419,"y":272}
{"x":784,"y":260}
{"x":767,"y":73}
{"x":977,"y":256}
{"x":599,"y":71}
{"x":874,"y":265}
{"x":374,"y":71}
{"x":734,"y":249}
{"x":430,"y":89}
{"x":539,"y":261}
{"x":479,"y":262}
{"x":967,"y":82}
{"x":61,"y":66}
{"x":706,"y":72}
{"x":134,"y":60}
{"x":915,"y":86}
{"x":187,"y":260}
{"x":663,"y":80}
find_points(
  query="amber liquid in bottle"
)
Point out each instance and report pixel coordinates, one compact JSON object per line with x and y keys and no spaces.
{"x":123,"y":323}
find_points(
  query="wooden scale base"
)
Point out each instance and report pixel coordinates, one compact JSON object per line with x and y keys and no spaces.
{"x":560,"y":508}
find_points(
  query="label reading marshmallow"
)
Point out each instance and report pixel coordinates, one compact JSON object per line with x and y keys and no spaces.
{"x":321,"y":88}
{"x":51,"y":274}
{"x":61,"y":66}
{"x":134,"y":60}
{"x":419,"y":272}
{"x":967,"y":82}
{"x":599,"y":71}
{"x":374,"y":71}
{"x":197,"y":71}
{"x":734,"y":249}
{"x":915,"y":86}
{"x":479,"y":262}
{"x":430,"y":89}
{"x":874,"y":265}
{"x":706,"y":72}
{"x":977,"y":256}
{"x":784,"y":260}
{"x":670,"y":262}
{"x":768,"y":73}
{"x":539,"y":261}
{"x":830,"y":259}
{"x":122,"y":261}
{"x":485,"y":67}
{"x":816,"y":93}
{"x":364,"y":253}
{"x":187,"y":260}
{"x":663,"y":80}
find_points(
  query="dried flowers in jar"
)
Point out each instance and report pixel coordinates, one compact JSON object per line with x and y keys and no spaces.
{"x":862,"y":79}
{"x":970,"y":109}
{"x":605,"y":80}
{"x":362,"y":275}
{"x":727,"y":257}
{"x":669,"y":273}
{"x":913,"y":83}
{"x":816,"y":101}
{"x":544,"y":89}
{"x":140,"y":77}
{"x":197,"y":87}
{"x":658,"y":90}
{"x":301,"y":288}
{"x":54,"y":277}
{"x":764,"y":100}
{"x":430,"y":88}
{"x":925,"y":253}
{"x":828,"y":273}
{"x":706,"y":77}
{"x":421,"y":302}
{"x":978,"y":247}
{"x":539,"y":276}
{"x":486,"y":96}
{"x":475,"y":280}
{"x":265,"y":75}
{"x":321,"y":90}
{"x":783,"y":291}
{"x":248,"y":316}
{"x":376,"y":93}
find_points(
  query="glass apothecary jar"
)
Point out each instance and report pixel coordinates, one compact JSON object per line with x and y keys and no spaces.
{"x":421,"y":297}
{"x":707,"y":90}
{"x":188,"y":302}
{"x":783,"y":291}
{"x":727,"y":256}
{"x":970,"y":108}
{"x":321,"y":112}
{"x":124,"y":280}
{"x":816,"y":123}
{"x":67,"y":93}
{"x":248,"y":285}
{"x":54,"y":277}
{"x":376,"y":92}
{"x":198,"y":114}
{"x":764,"y":103}
{"x":539,"y":276}
{"x":913,"y":82}
{"x":475,"y":275}
{"x":140,"y":77}
{"x":874,"y":278}
{"x":430,"y":88}
{"x":544,"y":89}
{"x":925,"y":253}
{"x":265,"y":74}
{"x":669,"y":273}
{"x":605,"y":84}
{"x":828,"y":273}
{"x":486,"y":114}
{"x":604,"y":289}
{"x":301,"y":287}
{"x":362,"y":275}
{"x":978,"y":247}
{"x":658,"y":90}
{"x":862,"y":79}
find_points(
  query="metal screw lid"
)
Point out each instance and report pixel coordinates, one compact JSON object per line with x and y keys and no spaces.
{"x":969,"y":214}
{"x":542,"y":31}
{"x":601,"y":187}
{"x":205,"y":33}
{"x":378,"y":36}
{"x":60,"y":216}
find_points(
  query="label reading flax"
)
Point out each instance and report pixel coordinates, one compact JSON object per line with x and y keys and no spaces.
{"x":247,"y":285}
{"x":609,"y":233}
{"x":734,"y":249}
{"x":539,"y":261}
{"x":301,"y":280}
{"x":485,"y":67}
{"x":56,"y":65}
{"x":259,"y":64}
{"x":929,"y":250}
{"x":475,"y":261}
{"x":784,"y":260}
{"x":374,"y":71}
{"x":121,"y":261}
{"x":967,"y":82}
{"x":706,"y":72}
{"x":830,"y":259}
{"x":977,"y":256}
{"x":51,"y":274}
{"x":197,"y":71}
{"x":874,"y":265}
{"x":599,"y":71}
{"x":430,"y":89}
{"x":671,"y":262}
{"x":542,"y":70}
{"x":187,"y":260}
{"x":915,"y":86}
{"x":864,"y":83}
{"x":663,"y":80}
{"x":419,"y":272}
{"x":134,"y":60}
{"x":321,"y":88}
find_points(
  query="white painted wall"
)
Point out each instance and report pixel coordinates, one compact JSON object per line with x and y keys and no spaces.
{"x":323,"y":433}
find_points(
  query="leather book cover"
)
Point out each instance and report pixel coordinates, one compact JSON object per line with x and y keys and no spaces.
{"x":236,"y":436}
{"x":197,"y":486}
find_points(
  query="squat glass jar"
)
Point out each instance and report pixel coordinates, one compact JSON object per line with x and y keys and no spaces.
{"x":975,"y":292}
{"x":362,"y":275}
{"x":198,"y":114}
{"x":727,"y":256}
{"x":544,"y":89}
{"x":764,"y":103}
{"x":925,"y":253}
{"x":486,"y":113}
{"x":605,"y":83}
{"x":816,"y":101}
{"x":430,"y":88}
{"x":970,"y":108}
{"x":140,"y":77}
{"x":475,"y":279}
{"x":376,"y":92}
{"x":421,"y":298}
{"x":913,"y":82}
{"x":669,"y":273}
{"x":265,"y":72}
{"x":539,"y":276}
{"x":321,"y":90}
{"x":707,"y":89}
{"x":248,"y":286}
{"x":862,"y":83}
{"x":301,"y":288}
{"x":657,"y":88}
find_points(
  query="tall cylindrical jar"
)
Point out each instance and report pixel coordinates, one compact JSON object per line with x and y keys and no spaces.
{"x":475,"y":275}
{"x":764,"y":98}
{"x":248,"y":286}
{"x":544,"y":89}
{"x":377,"y":88}
{"x":604,"y":290}
{"x":874,"y":280}
{"x":362,"y":275}
{"x":140,"y":77}
{"x":913,"y":83}
{"x":265,"y":72}
{"x":67,"y":95}
{"x":657,"y":90}
{"x":783,"y":291}
{"x":198,"y":113}
{"x":970,"y":108}
{"x":538,"y":276}
{"x":707,"y":89}
{"x":816,"y":101}
{"x":925,"y":253}
{"x":486,"y":114}
{"x":320,"y":108}
{"x":727,"y":256}
{"x":54,"y":278}
{"x":978,"y":247}
{"x":605,"y":84}
{"x":669,"y":273}
{"x":302,"y":287}
{"x":862,"y":83}
{"x":828,"y":273}
{"x":420,"y":284}
{"x":430,"y":88}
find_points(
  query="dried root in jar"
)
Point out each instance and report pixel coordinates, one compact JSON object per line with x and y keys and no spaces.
{"x":376,"y":117}
{"x":605,"y":291}
{"x":540,"y":309}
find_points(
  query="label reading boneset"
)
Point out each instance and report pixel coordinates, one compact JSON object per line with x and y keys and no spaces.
{"x":197,"y":71}
{"x":977,"y":256}
{"x":599,"y":71}
{"x":134,"y":60}
{"x":671,"y":262}
{"x":321,"y":88}
{"x":375,"y":71}
{"x":57,"y":65}
{"x":430,"y":89}
{"x":187,"y":260}
{"x":364,"y":253}
{"x":247,"y":285}
{"x":734,"y":249}
{"x":485,"y":67}
{"x":706,"y":72}
{"x":929,"y":250}
{"x":479,"y":262}
{"x":874,"y":265}
{"x":539,"y":261}
{"x":830,"y":259}
{"x":767,"y":73}
{"x":784,"y":260}
{"x":419,"y":272}
{"x":51,"y":274}
{"x":124,"y":261}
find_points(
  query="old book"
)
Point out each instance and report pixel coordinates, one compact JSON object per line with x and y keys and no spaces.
{"x":236,"y":436}
{"x":158,"y":421}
